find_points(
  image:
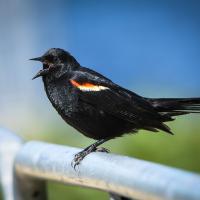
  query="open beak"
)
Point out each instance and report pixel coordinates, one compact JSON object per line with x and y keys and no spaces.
{"x":41,"y":72}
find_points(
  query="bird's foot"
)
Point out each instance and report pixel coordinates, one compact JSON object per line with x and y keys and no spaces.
{"x":78,"y":158}
{"x":82,"y":154}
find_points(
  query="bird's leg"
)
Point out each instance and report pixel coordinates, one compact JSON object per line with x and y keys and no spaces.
{"x":92,"y":148}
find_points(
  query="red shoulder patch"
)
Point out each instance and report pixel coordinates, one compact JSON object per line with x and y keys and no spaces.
{"x":87,"y":86}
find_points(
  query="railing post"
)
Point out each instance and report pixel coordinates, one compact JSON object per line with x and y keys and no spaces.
{"x":117,"y":197}
{"x":27,"y":188}
{"x":16,"y":186}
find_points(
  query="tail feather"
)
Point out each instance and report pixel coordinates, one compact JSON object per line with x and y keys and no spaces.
{"x":176,"y":106}
{"x":170,"y":107}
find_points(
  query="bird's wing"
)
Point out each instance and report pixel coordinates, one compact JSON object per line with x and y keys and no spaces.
{"x":105,"y":95}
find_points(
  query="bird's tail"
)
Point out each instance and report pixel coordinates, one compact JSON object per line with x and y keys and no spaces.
{"x":176,"y":106}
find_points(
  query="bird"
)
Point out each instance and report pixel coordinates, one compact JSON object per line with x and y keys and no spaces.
{"x":99,"y":108}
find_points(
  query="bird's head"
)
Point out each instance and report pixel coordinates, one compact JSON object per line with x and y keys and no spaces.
{"x":55,"y":59}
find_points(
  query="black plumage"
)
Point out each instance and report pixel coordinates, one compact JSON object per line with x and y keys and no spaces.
{"x":99,"y":108}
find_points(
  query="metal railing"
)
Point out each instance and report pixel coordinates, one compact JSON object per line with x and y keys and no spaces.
{"x":25,"y":168}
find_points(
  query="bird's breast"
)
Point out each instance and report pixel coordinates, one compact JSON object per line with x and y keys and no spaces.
{"x":60,"y":95}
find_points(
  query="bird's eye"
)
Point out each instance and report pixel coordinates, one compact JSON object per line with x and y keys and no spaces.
{"x":49,"y":59}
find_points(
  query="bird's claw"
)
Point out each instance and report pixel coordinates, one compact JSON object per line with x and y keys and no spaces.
{"x":77,"y":159}
{"x":81,"y":155}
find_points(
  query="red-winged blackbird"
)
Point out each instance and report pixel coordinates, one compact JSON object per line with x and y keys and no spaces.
{"x":99,"y":108}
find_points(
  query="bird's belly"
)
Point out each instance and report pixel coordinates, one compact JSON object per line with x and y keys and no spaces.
{"x":97,"y":124}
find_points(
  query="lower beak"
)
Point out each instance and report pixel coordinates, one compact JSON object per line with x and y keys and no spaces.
{"x":41,"y":73}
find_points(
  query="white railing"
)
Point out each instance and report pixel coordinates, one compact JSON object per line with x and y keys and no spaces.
{"x":25,"y":168}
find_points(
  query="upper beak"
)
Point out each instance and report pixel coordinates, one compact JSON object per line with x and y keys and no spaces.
{"x":37,"y":59}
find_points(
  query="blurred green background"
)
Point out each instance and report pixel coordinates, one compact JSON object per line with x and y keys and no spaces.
{"x":150,"y":47}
